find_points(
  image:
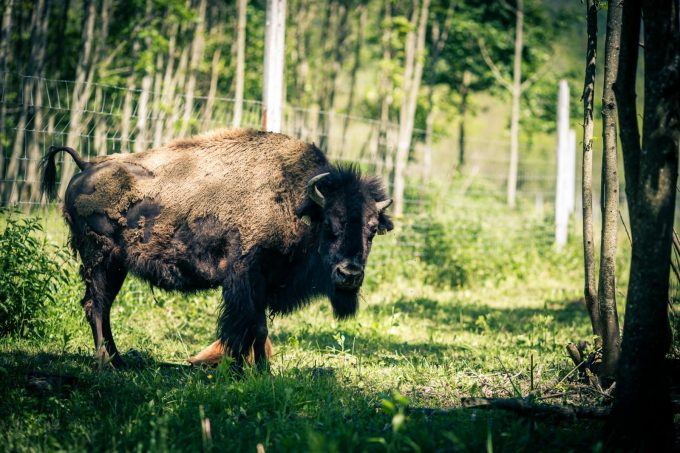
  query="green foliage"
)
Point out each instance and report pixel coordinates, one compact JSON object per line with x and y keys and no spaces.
{"x":30,"y":272}
{"x":460,"y":241}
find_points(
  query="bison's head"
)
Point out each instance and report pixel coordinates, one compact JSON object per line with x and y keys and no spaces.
{"x":346,"y":211}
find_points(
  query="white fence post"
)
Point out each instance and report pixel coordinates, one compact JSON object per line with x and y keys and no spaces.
{"x":274,"y":52}
{"x":566,"y":167}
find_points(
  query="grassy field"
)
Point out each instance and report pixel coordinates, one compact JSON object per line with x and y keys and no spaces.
{"x":423,"y":339}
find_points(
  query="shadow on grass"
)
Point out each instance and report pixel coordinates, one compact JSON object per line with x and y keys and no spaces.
{"x":158,"y":406}
{"x":564,"y":313}
{"x":448,"y":319}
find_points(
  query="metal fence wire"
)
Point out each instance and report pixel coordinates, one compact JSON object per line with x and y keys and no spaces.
{"x":97,"y":119}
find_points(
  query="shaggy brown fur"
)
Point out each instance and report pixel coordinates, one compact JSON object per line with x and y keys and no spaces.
{"x":221,"y":209}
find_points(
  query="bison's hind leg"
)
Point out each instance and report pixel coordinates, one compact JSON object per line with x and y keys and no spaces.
{"x":102,"y":283}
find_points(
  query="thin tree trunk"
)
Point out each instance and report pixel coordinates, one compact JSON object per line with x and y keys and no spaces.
{"x":590,"y":290}
{"x":335,"y":40}
{"x":99,"y":124}
{"x":464,"y":92}
{"x":440,"y":34}
{"x":385,"y":87}
{"x":610,"y":205}
{"x":212,"y":90}
{"x":167,"y":91}
{"x":11,"y":189}
{"x":127,"y":112}
{"x":100,"y":127}
{"x":642,"y":418}
{"x":197,"y":46}
{"x":155,"y":116}
{"x":141,"y":139}
{"x":412,"y":77}
{"x":240,"y":62}
{"x":82,"y":88}
{"x":361,"y":25}
{"x":31,"y":188}
{"x":176,"y":101}
{"x":4,"y":57}
{"x":516,"y":93}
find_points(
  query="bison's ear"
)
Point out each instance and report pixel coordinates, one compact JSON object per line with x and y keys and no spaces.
{"x":309,"y":212}
{"x":384,"y":222}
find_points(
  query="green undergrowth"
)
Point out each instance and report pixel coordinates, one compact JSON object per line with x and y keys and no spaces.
{"x":463,"y":311}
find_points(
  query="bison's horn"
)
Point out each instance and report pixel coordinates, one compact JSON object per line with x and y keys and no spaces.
{"x":313,"y":192}
{"x":382,"y":205}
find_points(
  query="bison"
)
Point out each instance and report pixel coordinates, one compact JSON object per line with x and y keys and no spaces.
{"x":262,"y":215}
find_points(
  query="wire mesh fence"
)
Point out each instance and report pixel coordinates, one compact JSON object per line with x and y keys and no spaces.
{"x":98,"y":119}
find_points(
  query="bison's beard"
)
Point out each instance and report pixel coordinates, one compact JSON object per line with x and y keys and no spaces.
{"x":345,"y":302}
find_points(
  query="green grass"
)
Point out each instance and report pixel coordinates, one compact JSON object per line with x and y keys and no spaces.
{"x":334,"y":386}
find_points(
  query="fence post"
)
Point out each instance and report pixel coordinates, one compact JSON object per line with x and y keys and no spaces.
{"x":274,"y":52}
{"x":566,"y":167}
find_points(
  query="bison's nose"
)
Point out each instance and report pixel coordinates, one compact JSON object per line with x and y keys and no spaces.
{"x":348,"y":274}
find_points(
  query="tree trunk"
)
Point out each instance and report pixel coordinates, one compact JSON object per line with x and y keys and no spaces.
{"x":197,"y":46}
{"x":440,"y":34}
{"x":516,"y":93}
{"x":642,"y":419}
{"x":361,"y":25}
{"x":412,"y":75}
{"x":335,"y":38}
{"x":464,"y":92}
{"x":156,"y":120}
{"x":101,"y":126}
{"x":82,"y":88}
{"x":32,"y":187}
{"x":240,"y":62}
{"x":212,"y":91}
{"x":166,"y":91}
{"x":141,"y":139}
{"x":176,"y":101}
{"x":610,"y":205}
{"x":4,"y":56}
{"x":12,"y":187}
{"x":590,"y":290}
{"x":385,"y":89}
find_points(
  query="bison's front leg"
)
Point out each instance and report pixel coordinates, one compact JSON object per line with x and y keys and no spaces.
{"x":243,"y":325}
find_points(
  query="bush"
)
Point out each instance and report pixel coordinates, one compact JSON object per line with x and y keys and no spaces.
{"x":30,"y":271}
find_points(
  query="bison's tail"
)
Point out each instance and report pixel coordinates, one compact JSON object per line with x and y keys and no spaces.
{"x":48,"y":181}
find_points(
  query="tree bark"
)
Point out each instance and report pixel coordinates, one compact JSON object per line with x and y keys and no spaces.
{"x":32,"y":188}
{"x":240,"y":62}
{"x":462,"y":110}
{"x":590,"y":289}
{"x":12,"y":187}
{"x":177,"y":80}
{"x":412,"y":76}
{"x":4,"y":56}
{"x":141,"y":139}
{"x":166,"y":92}
{"x":197,"y":46}
{"x":361,"y":25}
{"x":335,"y":39}
{"x":82,"y":88}
{"x":516,"y":93}
{"x":100,"y":126}
{"x":610,"y":205}
{"x":642,"y":417}
{"x":215,"y":67}
{"x":385,"y":89}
